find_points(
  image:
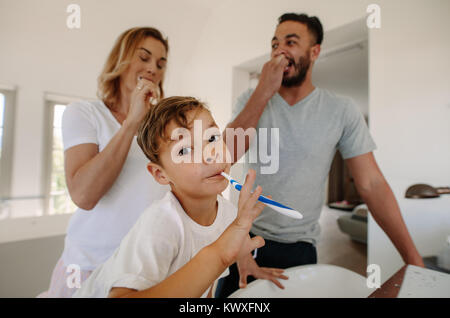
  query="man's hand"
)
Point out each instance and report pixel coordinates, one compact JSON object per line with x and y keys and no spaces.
{"x":269,"y":83}
{"x":247,"y":266}
{"x":272,"y":76}
{"x":377,"y":194}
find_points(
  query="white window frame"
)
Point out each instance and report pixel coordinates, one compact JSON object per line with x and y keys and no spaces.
{"x":51,"y":100}
{"x":6,"y":160}
{"x":45,"y":225}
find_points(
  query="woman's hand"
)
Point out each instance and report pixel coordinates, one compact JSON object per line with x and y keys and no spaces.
{"x":86,"y":176}
{"x":143,"y":96}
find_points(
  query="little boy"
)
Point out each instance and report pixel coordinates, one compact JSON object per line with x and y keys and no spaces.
{"x":190,"y":217}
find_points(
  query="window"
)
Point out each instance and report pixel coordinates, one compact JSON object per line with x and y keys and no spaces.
{"x":57,"y":198}
{"x":31,"y":217}
{"x":2,"y":110}
{"x":7,"y":97}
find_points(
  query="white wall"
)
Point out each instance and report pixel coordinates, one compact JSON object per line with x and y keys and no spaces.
{"x":346,"y":74}
{"x":27,"y":265}
{"x":410,"y":92}
{"x":409,"y":87}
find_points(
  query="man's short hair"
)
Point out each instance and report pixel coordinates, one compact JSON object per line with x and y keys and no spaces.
{"x":313,"y":24}
{"x":152,"y":131}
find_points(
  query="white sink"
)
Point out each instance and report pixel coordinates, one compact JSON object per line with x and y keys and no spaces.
{"x":310,"y":281}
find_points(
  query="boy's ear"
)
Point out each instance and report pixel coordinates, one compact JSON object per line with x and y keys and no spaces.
{"x":158,"y":173}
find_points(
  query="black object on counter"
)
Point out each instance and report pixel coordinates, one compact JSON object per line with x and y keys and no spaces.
{"x":425,"y":191}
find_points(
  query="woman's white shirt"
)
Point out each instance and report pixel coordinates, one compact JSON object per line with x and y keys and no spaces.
{"x":92,"y":236}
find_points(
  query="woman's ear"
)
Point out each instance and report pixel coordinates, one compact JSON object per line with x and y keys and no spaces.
{"x":158,"y":173}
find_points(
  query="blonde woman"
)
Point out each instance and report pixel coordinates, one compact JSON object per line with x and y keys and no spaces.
{"x":104,"y":166}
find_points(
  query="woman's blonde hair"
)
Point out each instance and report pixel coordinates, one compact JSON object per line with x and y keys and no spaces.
{"x":119,"y":59}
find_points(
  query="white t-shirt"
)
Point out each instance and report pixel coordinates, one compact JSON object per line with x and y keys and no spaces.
{"x":163,"y":240}
{"x":92,"y":236}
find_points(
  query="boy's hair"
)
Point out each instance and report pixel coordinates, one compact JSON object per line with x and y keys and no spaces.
{"x":313,"y":24}
{"x":152,"y":131}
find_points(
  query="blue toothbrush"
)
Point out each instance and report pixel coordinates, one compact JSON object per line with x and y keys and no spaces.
{"x":285,"y":210}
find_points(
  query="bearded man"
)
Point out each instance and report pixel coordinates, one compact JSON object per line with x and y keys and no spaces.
{"x":313,"y":124}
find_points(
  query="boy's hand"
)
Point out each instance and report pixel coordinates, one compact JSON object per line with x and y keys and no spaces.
{"x":235,"y":242}
{"x":248,"y":266}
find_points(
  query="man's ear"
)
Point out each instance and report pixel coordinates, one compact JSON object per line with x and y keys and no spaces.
{"x":315,"y":51}
{"x":158,"y":173}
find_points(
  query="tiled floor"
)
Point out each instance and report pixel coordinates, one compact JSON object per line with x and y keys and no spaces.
{"x":336,"y":247}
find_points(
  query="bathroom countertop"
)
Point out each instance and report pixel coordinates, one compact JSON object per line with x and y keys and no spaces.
{"x":416,"y":282}
{"x":392,"y":286}
{"x":428,"y":223}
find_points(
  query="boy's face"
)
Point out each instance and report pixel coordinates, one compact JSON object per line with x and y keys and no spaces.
{"x":182,"y":168}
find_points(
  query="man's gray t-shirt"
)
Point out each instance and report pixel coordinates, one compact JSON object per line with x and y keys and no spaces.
{"x":310,"y":132}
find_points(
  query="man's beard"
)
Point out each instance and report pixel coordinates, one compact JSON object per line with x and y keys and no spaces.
{"x":302,"y":68}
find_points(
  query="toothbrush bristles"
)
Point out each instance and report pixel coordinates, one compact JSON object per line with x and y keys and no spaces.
{"x":225,"y":175}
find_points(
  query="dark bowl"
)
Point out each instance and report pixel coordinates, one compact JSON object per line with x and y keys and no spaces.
{"x":421,"y":191}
